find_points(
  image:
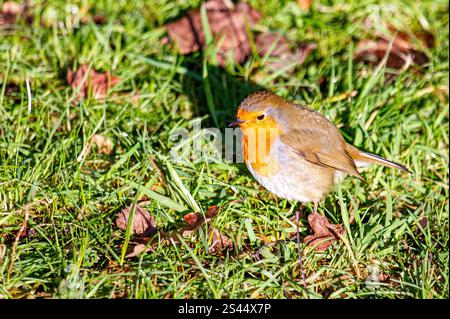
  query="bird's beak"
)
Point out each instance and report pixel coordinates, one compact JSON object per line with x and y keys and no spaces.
{"x":236,"y":123}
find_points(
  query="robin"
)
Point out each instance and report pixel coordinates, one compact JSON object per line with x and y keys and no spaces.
{"x":295,"y":152}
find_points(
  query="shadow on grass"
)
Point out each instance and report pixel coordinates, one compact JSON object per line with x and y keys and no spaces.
{"x":227,"y":91}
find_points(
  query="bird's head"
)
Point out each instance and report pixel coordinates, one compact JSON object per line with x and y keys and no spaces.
{"x":262,"y":109}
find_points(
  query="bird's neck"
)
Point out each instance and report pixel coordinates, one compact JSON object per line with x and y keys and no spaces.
{"x":258,"y":142}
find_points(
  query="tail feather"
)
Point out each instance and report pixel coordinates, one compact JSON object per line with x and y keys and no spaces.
{"x":369,"y":158}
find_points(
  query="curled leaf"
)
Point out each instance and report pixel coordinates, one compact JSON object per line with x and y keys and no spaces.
{"x":324,"y":232}
{"x":219,"y":241}
{"x":143,"y":223}
{"x":190,"y":218}
{"x":86,"y":79}
{"x":212,"y":211}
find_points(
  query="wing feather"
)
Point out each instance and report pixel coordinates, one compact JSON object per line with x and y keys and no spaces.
{"x":322,"y":148}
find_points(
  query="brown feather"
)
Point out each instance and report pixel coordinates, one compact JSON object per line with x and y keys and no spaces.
{"x":317,"y":140}
{"x":369,"y":158}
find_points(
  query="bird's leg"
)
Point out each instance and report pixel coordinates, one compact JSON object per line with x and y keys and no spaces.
{"x":316,"y":205}
{"x":299,"y":248}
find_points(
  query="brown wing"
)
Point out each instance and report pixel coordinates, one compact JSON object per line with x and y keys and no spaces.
{"x":321,"y":146}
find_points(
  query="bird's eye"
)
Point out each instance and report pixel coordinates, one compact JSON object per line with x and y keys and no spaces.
{"x":261,"y":117}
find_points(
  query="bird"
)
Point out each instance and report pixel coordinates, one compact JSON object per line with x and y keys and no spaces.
{"x":295,"y":152}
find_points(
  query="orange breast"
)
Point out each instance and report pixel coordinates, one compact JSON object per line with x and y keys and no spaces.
{"x":258,"y":141}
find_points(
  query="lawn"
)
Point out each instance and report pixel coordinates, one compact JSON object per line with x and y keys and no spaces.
{"x":60,"y":195}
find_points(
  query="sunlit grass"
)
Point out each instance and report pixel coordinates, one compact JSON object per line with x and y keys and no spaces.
{"x":74,"y":248}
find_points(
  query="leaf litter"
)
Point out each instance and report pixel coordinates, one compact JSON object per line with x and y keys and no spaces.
{"x":86,"y":80}
{"x":11,"y":12}
{"x":324,"y":233}
{"x":408,"y":48}
{"x":144,"y":226}
{"x":143,"y":223}
{"x":227,"y":22}
{"x":230,"y":24}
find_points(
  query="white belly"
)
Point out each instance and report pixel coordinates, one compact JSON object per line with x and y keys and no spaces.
{"x":296,"y":178}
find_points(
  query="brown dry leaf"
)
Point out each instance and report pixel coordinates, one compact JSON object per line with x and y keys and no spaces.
{"x":324,"y":232}
{"x":423,"y":222}
{"x":97,"y":82}
{"x":11,"y":11}
{"x":143,"y":223}
{"x":227,"y":22}
{"x":280,"y":51}
{"x":212,"y":211}
{"x":272,"y":43}
{"x":404,"y":50}
{"x":104,"y":144}
{"x":138,"y":249}
{"x":219,"y":241}
{"x":190,"y":218}
{"x":195,"y":220}
{"x":305,"y":5}
{"x":27,"y":232}
{"x":383,"y":277}
{"x":97,"y":19}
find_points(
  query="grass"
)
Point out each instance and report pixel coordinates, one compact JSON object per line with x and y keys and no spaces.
{"x":73,"y":247}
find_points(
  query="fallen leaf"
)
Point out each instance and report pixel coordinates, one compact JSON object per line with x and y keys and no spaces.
{"x":423,"y":222}
{"x":212,"y":211}
{"x":404,"y":50}
{"x":104,"y":144}
{"x":219,"y":241}
{"x":280,"y":51}
{"x":143,"y":223}
{"x":324,"y":232}
{"x":138,"y":249}
{"x":264,"y":238}
{"x":11,"y":11}
{"x":190,"y":218}
{"x":195,"y":220}
{"x":305,"y":5}
{"x":227,"y":23}
{"x":383,"y":277}
{"x":27,"y":232}
{"x":97,"y":19}
{"x":97,"y":82}
{"x":272,"y":43}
